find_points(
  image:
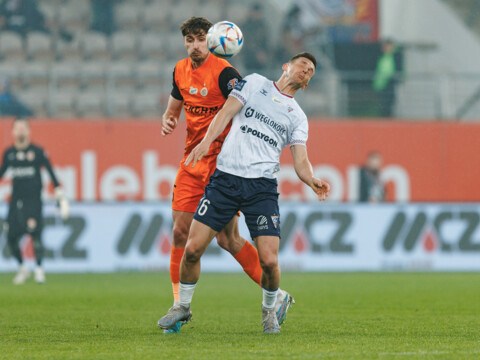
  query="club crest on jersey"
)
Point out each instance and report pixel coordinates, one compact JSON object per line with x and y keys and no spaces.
{"x":30,"y":155}
{"x":276,"y":100}
{"x":232,"y":84}
{"x":204,"y":91}
{"x":274,"y":220}
{"x":193,"y":91}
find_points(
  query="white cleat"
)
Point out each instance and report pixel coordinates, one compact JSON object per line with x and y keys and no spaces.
{"x":40,"y":275}
{"x":22,"y":275}
{"x":283,"y":303}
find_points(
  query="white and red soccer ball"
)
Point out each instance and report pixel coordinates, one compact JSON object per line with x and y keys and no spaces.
{"x":224,"y":39}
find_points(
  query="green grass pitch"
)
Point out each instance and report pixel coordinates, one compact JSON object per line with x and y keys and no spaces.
{"x":337,"y":316}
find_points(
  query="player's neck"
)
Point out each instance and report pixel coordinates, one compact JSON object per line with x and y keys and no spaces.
{"x":285,"y":87}
{"x":196,"y":64}
{"x":21,"y":145}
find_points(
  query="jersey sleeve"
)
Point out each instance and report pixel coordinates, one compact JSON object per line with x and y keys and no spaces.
{"x":228,"y":80}
{"x":4,"y":166}
{"x":245,"y":88}
{"x":175,"y":90}
{"x":46,"y":162}
{"x":300,"y":132}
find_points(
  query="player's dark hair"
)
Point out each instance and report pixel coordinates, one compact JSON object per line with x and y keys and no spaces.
{"x":21,"y":118}
{"x":306,"y":55}
{"x":195,"y":25}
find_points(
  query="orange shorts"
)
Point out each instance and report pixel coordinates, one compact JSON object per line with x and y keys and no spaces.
{"x":190,"y":183}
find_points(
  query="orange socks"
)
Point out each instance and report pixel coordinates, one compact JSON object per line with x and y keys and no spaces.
{"x":248,"y":258}
{"x":176,"y":255}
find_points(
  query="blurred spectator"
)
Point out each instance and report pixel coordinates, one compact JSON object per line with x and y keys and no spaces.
{"x":103,"y":19}
{"x":292,"y":33}
{"x":387,"y":75}
{"x":255,"y":53}
{"x":371,"y":188}
{"x":9,"y":104}
{"x":24,"y":16}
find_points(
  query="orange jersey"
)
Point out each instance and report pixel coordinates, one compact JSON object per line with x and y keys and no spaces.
{"x":204,"y":91}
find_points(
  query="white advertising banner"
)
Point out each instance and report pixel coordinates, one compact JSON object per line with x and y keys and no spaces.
{"x":102,"y":237}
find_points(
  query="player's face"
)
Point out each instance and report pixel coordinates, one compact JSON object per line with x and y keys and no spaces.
{"x":21,"y":131}
{"x":300,"y":71}
{"x":196,"y":45}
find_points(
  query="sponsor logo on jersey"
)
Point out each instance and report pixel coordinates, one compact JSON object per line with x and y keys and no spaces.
{"x":232,"y":84}
{"x":263,"y":92}
{"x":240,"y":85}
{"x":200,"y":110}
{"x":30,"y":155}
{"x":20,"y":155}
{"x":276,"y":100}
{"x":204,"y":91}
{"x":249,"y":112}
{"x":193,"y":91}
{"x":19,"y":172}
{"x":262,"y":222}
{"x":279,"y":128}
{"x":249,"y":131}
{"x":274,"y":220}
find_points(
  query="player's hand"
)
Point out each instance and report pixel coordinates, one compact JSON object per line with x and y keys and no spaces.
{"x":168,"y":125}
{"x":321,"y":188}
{"x":63,"y":204}
{"x":197,"y":153}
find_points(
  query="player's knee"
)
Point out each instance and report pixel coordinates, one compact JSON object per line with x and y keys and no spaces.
{"x":192,"y":253}
{"x":180,"y":234}
{"x":269,"y":263}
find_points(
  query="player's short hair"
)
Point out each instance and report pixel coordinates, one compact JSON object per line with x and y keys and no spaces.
{"x":21,"y":118}
{"x":195,"y":25}
{"x":306,"y":55}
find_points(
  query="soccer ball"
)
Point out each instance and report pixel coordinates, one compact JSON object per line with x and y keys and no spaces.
{"x":224,"y":39}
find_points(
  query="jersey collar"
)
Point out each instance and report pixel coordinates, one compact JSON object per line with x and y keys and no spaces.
{"x":276,"y":87}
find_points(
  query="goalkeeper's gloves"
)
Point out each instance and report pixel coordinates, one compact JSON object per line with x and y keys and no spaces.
{"x":62,"y":203}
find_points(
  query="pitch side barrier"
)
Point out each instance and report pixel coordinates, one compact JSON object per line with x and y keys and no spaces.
{"x":129,"y":160}
{"x":102,"y":237}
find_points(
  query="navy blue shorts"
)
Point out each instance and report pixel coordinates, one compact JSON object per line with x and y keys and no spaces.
{"x":226,"y":194}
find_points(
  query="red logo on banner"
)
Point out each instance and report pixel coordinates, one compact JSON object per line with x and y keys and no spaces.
{"x":164,"y":244}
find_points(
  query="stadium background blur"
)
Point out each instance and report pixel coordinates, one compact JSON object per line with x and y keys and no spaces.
{"x":98,"y":75}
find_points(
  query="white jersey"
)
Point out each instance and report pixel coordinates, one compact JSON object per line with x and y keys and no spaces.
{"x":268,"y":121}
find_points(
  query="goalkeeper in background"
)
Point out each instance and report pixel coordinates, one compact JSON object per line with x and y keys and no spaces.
{"x":25,"y":161}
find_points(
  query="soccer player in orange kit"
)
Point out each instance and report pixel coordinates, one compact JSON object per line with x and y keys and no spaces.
{"x":201,"y":84}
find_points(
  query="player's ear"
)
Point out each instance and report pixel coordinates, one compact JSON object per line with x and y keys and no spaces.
{"x":304,"y":86}
{"x":285,"y":66}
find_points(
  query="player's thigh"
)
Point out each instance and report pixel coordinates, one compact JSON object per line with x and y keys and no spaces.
{"x":220,"y":202}
{"x":229,"y":238}
{"x":198,"y":240}
{"x":32,"y":213}
{"x":181,"y":227}
{"x":267,"y":247}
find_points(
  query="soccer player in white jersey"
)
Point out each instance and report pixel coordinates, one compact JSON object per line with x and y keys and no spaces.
{"x":266,"y":118}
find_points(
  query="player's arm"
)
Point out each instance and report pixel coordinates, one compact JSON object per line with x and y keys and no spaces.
{"x":174,"y":108}
{"x":227,"y":80}
{"x":231,"y":107}
{"x":304,"y":171}
{"x":59,"y":193}
{"x":4,"y":166}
